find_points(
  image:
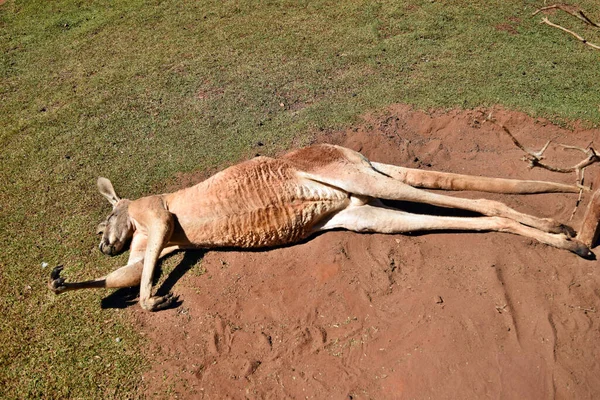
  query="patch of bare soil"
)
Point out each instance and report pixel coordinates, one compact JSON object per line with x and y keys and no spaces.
{"x":370,"y":316}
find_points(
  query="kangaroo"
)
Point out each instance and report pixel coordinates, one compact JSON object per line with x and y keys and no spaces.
{"x":266,"y":202}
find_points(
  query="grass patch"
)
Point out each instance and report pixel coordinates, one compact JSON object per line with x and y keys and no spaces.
{"x":138,"y":91}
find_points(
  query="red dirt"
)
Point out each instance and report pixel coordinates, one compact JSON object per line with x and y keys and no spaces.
{"x":441,"y":316}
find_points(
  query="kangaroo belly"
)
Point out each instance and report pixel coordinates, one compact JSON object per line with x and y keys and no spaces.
{"x":273,"y":225}
{"x":260,"y":203}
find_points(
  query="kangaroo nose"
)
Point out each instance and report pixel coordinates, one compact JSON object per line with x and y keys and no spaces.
{"x":105,"y":248}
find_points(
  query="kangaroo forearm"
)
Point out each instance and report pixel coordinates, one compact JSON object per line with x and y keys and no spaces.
{"x":127,"y":276}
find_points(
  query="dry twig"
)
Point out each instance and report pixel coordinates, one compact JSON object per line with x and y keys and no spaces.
{"x":573,"y":10}
{"x":582,"y":40}
{"x":534,"y":158}
{"x":579,"y":169}
{"x":584,"y":309}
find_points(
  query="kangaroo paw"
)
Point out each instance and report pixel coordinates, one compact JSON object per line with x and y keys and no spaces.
{"x":56,"y":283}
{"x":157,"y":303}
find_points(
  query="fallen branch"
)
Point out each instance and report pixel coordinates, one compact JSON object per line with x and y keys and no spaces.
{"x":534,"y":158}
{"x":590,"y":226}
{"x":579,"y":169}
{"x":547,"y":22}
{"x":535,"y":155}
{"x":569,"y":9}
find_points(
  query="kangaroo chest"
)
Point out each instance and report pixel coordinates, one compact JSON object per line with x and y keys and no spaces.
{"x":259,"y":203}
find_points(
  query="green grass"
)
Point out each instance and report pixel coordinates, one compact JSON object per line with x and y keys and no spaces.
{"x":138,"y":91}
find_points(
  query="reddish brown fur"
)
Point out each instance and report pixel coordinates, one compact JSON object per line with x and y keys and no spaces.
{"x":258,"y":203}
{"x":268,"y":202}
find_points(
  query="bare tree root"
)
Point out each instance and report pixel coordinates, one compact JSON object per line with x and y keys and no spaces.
{"x":575,"y":11}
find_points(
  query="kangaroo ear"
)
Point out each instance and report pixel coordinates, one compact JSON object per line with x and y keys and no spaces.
{"x":106,"y":189}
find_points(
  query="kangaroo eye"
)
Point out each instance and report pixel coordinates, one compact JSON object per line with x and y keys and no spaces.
{"x":101,"y":228}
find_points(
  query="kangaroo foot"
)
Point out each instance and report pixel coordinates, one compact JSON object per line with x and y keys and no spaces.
{"x":157,"y":303}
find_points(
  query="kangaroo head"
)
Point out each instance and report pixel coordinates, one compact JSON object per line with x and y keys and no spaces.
{"x":117,"y":229}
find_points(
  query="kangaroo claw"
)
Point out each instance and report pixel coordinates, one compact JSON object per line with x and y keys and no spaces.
{"x":56,"y":283}
{"x":157,"y":303}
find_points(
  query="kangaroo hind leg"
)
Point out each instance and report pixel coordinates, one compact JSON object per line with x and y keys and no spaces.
{"x":449,"y":181}
{"x":356,"y":175}
{"x":368,"y":218}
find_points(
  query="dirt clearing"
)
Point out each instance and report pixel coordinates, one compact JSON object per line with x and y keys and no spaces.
{"x":441,"y":315}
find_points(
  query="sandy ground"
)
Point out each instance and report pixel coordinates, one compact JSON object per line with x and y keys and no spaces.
{"x":370,"y":316}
